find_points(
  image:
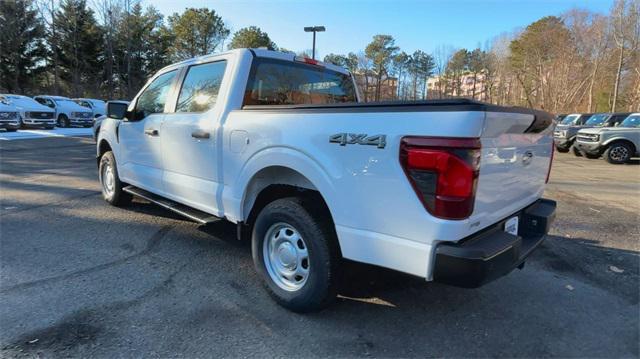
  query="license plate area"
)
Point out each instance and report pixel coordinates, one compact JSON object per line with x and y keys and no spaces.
{"x":511,"y":225}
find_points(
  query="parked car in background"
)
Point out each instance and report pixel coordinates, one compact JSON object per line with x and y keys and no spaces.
{"x":9,"y":117}
{"x":616,"y":144}
{"x":601,"y":120}
{"x":565,"y":133}
{"x":31,"y":113}
{"x":68,"y":113}
{"x":97,"y":122}
{"x":560,"y":117}
{"x":279,"y":145}
{"x":98,"y":107}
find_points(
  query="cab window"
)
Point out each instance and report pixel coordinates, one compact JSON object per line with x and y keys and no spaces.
{"x":46,"y":102}
{"x":154,"y":97}
{"x":278,"y":82}
{"x":200,"y":88}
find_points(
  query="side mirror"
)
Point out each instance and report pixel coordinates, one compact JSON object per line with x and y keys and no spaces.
{"x":117,"y":110}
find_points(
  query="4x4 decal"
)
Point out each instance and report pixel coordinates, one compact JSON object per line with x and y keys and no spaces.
{"x":344,"y":139}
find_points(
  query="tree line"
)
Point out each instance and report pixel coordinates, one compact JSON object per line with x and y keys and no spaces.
{"x":579,"y":61}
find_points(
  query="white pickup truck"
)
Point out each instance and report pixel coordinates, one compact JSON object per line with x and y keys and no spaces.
{"x":448,"y":191}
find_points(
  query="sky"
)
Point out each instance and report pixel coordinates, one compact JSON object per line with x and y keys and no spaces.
{"x":414,"y":24}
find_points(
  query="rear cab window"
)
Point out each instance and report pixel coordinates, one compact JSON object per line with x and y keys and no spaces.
{"x":281,"y":82}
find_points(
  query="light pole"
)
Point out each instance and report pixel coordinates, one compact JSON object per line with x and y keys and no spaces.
{"x":314,"y":29}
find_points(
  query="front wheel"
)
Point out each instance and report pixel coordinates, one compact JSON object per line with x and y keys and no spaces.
{"x":296,"y":254}
{"x":576,"y":151}
{"x":618,"y":153}
{"x":111,"y":186}
{"x":562,"y":149}
{"x":63,"y":121}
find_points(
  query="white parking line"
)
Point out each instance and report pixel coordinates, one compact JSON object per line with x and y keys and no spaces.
{"x":33,"y":134}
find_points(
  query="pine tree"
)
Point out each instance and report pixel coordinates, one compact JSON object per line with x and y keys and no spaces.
{"x":21,"y":46}
{"x":79,"y":48}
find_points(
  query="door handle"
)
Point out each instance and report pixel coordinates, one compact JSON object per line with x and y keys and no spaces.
{"x":200,"y":134}
{"x":151,"y":132}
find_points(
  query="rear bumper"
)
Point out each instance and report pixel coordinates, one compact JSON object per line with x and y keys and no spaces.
{"x":492,"y":253}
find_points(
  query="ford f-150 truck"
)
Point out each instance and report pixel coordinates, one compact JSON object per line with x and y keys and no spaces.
{"x":450,"y":191}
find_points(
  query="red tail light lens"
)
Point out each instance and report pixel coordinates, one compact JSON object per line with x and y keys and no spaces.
{"x":443,"y":173}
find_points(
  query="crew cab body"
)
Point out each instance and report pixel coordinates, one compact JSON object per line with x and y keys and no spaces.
{"x":9,"y":116}
{"x":426,"y":188}
{"x":31,"y":113}
{"x":565,"y":132}
{"x":617,"y":144}
{"x":68,"y":113}
{"x":98,"y":107}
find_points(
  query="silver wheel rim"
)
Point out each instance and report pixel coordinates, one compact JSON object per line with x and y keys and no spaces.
{"x":286,"y":257}
{"x":619,"y":153}
{"x":108,"y":179}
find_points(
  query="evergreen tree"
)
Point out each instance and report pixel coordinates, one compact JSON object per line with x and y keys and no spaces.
{"x":21,"y":46}
{"x":251,"y":37}
{"x":79,"y":48}
{"x":197,"y":32}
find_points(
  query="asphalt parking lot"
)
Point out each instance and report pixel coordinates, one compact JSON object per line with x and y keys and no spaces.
{"x":81,"y":278}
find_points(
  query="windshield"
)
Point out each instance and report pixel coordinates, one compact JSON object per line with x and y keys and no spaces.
{"x":631,"y":121}
{"x":597,"y":120}
{"x":61,"y":100}
{"x":569,"y":120}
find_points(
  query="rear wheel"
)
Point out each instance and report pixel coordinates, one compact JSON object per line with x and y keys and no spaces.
{"x":296,"y":253}
{"x":576,"y":151}
{"x":592,"y":157}
{"x":618,"y":153}
{"x":562,"y":149}
{"x":111,"y":186}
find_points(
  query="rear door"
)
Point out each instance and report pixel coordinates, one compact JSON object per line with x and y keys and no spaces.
{"x":189,"y":147}
{"x":140,"y":161}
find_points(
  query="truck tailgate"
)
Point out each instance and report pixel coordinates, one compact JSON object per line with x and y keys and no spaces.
{"x":514,"y":165}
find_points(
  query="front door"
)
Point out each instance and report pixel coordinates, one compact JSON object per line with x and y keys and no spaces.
{"x":189,"y":146}
{"x":140,"y":161}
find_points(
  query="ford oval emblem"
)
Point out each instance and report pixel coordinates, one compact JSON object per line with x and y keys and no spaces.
{"x":527,"y":157}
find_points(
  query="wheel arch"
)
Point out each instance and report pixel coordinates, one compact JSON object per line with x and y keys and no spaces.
{"x":614,"y":140}
{"x":103,"y":147}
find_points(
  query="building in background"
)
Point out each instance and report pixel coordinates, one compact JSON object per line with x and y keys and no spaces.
{"x":465,"y":85}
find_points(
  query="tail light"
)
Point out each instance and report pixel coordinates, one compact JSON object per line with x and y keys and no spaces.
{"x":553,"y":150}
{"x":443,"y":173}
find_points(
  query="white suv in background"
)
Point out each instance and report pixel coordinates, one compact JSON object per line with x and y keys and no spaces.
{"x":31,"y":113}
{"x":98,"y":107}
{"x":68,"y":113}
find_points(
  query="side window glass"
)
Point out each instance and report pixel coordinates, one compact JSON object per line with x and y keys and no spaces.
{"x":154,"y":97}
{"x":200,"y":89}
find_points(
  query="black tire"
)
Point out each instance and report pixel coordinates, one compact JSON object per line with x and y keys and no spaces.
{"x":116,"y":196}
{"x":323,"y":263}
{"x":576,"y":151}
{"x":618,"y":153}
{"x":11,"y":129}
{"x":562,"y":149}
{"x":63,"y":121}
{"x":49,"y":127}
{"x":591,"y":157}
